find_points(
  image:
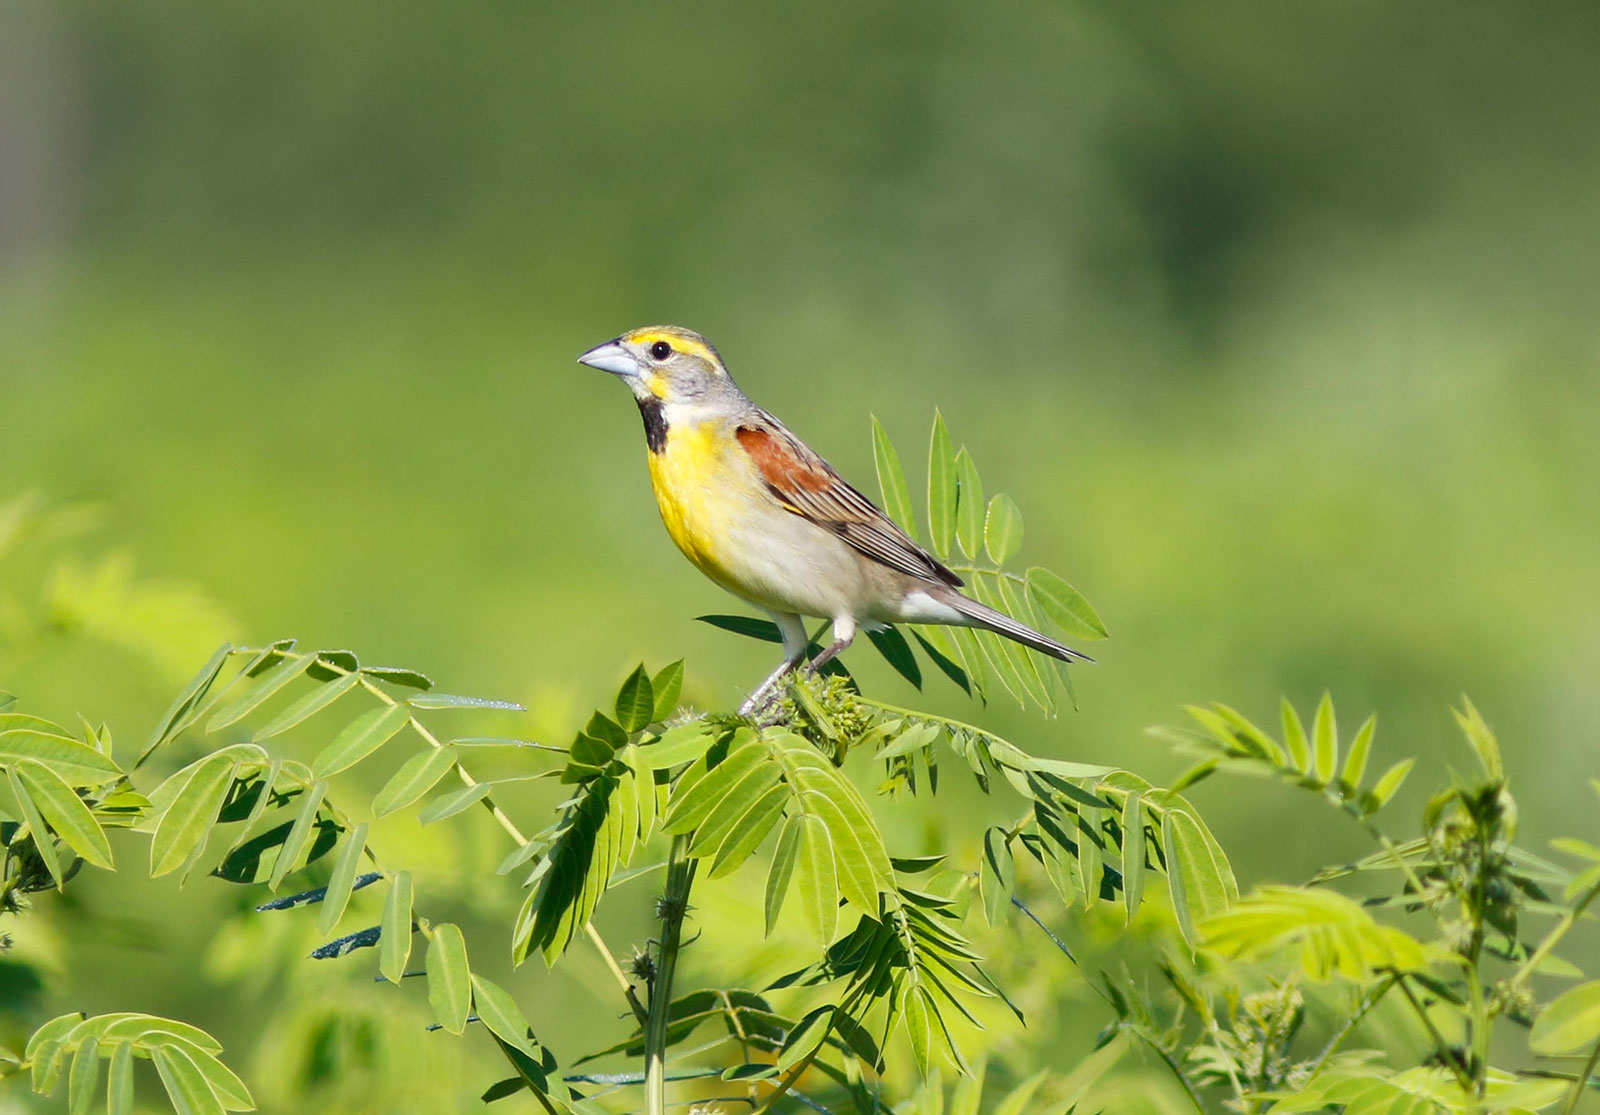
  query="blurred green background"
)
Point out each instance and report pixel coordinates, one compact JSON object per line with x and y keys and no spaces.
{"x":1277,"y":320}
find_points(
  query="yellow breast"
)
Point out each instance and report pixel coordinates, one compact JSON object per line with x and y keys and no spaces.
{"x":706,"y":490}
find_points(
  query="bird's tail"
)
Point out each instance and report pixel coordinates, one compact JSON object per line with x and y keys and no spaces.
{"x":981,"y":615}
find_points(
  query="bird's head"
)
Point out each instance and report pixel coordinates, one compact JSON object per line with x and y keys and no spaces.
{"x":663,"y":362}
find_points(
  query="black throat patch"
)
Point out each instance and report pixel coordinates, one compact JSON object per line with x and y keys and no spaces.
{"x":655,"y":423}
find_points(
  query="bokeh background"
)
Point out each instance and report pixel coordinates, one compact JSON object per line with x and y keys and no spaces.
{"x":1277,"y":320}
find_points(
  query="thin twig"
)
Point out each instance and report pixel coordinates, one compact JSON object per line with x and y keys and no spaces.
{"x":1582,"y":1082}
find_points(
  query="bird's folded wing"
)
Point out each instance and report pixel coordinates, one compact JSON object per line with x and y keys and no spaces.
{"x":808,"y":486}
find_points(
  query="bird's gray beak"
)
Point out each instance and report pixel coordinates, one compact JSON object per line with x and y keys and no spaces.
{"x":611,"y":357}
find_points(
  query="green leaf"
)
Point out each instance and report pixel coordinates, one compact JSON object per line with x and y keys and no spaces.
{"x":937,"y":645}
{"x":84,"y":1076}
{"x":267,"y":686}
{"x":1133,"y":852}
{"x":119,"y":1081}
{"x":690,"y":806}
{"x":416,"y":776}
{"x":1294,"y":737}
{"x":227,"y":1087}
{"x":818,"y":882}
{"x":1091,"y":862}
{"x":996,"y":876}
{"x":892,"y":480}
{"x":294,"y":845}
{"x":749,"y":626}
{"x":1355,"y":763}
{"x":342,"y":880}
{"x":897,"y":652}
{"x":1387,"y":786}
{"x":941,"y":488}
{"x":1018,"y":1100}
{"x":186,"y":1085}
{"x":784,"y":858}
{"x":731,"y":807}
{"x":1193,"y":877}
{"x":501,"y":1014}
{"x":636,"y":701}
{"x":753,"y":827}
{"x":683,"y":744}
{"x":668,"y":687}
{"x":457,"y":700}
{"x":456,"y":801}
{"x":1328,"y":932}
{"x":969,"y":505}
{"x":192,"y":694}
{"x":78,"y":763}
{"x":1325,"y":740}
{"x":187,"y":821}
{"x":308,"y":706}
{"x":972,"y":659}
{"x":360,"y":738}
{"x":7,"y":700}
{"x":1064,"y":605}
{"x":65,"y":812}
{"x":1570,"y":1023}
{"x":399,"y":675}
{"x":394,"y":943}
{"x":806,"y":1037}
{"x":42,"y":842}
{"x":449,"y":980}
{"x":1002,"y":530}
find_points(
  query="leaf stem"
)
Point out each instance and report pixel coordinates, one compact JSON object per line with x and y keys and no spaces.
{"x":1368,"y":1001}
{"x":673,"y":905}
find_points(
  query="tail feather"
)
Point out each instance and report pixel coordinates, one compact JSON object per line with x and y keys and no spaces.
{"x":981,"y":615}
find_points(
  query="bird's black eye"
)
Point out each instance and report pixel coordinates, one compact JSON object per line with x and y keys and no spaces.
{"x":660,"y":350}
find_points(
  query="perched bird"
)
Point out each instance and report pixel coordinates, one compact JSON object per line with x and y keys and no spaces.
{"x":761,"y":514}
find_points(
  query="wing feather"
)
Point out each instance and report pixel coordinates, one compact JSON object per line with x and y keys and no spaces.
{"x":806,"y":485}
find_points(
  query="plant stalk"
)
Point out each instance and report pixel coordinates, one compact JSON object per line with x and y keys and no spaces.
{"x":674,"y":904}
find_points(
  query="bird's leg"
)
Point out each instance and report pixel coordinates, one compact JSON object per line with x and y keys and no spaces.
{"x":763,"y":692}
{"x":844,"y":633}
{"x":795,"y":641}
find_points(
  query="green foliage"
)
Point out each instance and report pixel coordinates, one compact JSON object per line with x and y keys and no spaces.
{"x":891,"y":965}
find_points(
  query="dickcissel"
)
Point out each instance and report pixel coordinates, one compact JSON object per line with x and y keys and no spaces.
{"x":761,"y":514}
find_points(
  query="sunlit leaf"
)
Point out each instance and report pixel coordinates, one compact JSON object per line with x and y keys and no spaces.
{"x":272,"y":682}
{"x":1294,"y":737}
{"x":996,"y":876}
{"x":299,"y":837}
{"x":449,"y":979}
{"x":667,"y":685}
{"x":1002,"y":529}
{"x":360,"y":738}
{"x":308,"y":706}
{"x":1064,"y":605}
{"x":394,"y":945}
{"x":817,"y":879}
{"x":683,"y":744}
{"x":185,"y":702}
{"x":806,"y":1037}
{"x":892,"y":480}
{"x":1133,"y":852}
{"x":428,"y":701}
{"x":1387,"y":786}
{"x":1355,"y":763}
{"x":186,"y":1085}
{"x":119,"y":1081}
{"x":636,"y":701}
{"x":342,"y":880}
{"x":456,"y":801}
{"x":501,"y":1014}
{"x":77,"y":762}
{"x":1570,"y":1023}
{"x":84,"y":1076}
{"x":1325,"y":739}
{"x":399,"y":675}
{"x":941,"y":488}
{"x":416,"y":776}
{"x":1194,"y":878}
{"x":191,"y":815}
{"x":970,"y":508}
{"x":65,"y":812}
{"x":784,"y":858}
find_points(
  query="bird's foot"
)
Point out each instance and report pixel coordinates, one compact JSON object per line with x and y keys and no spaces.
{"x":767,"y":691}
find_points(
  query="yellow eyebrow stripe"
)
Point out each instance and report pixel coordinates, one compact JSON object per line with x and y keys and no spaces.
{"x":677,"y":341}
